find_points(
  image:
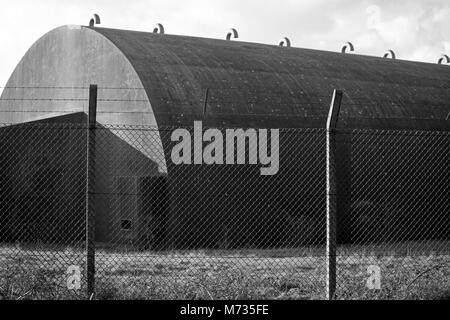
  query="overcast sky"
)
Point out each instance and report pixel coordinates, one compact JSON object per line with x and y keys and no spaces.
{"x":414,"y":29}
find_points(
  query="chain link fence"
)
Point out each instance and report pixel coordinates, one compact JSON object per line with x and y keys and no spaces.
{"x":173,"y":221}
{"x":395,"y":230}
{"x":42,"y":228}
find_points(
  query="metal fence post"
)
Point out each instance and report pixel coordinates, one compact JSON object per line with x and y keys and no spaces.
{"x":332,"y":194}
{"x":90,"y":195}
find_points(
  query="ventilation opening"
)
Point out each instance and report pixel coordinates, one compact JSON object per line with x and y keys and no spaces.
{"x":125,"y":224}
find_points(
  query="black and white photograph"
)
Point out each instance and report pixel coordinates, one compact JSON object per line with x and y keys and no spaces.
{"x":225,"y":155}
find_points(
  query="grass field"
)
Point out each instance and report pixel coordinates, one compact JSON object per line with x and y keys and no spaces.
{"x":252,"y":274}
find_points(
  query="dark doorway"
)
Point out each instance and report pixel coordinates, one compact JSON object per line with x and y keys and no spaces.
{"x":153,"y":212}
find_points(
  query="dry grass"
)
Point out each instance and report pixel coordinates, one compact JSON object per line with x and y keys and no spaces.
{"x":41,"y":274}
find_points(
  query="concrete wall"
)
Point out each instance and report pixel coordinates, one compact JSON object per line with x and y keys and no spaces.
{"x":43,"y":193}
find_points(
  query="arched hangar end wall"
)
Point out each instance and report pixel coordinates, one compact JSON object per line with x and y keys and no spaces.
{"x":50,"y":85}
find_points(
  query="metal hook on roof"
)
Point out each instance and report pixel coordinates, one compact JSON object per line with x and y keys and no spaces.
{"x":347,"y":45}
{"x":444,"y":59}
{"x":285,"y":42}
{"x":95,"y":20}
{"x":159,"y":28}
{"x":389,"y":53}
{"x":232,"y":33}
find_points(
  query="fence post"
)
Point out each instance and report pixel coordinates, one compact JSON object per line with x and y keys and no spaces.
{"x":333,"y":116}
{"x":90,"y":194}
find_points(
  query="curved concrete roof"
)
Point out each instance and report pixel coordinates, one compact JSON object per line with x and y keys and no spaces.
{"x":248,"y":84}
{"x":263,"y":85}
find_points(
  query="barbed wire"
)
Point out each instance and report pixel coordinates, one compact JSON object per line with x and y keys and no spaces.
{"x":222,"y":103}
{"x":209,"y":88}
{"x":70,"y":88}
{"x":169,"y":128}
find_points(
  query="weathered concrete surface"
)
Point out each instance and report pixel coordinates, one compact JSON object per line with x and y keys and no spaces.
{"x":262,"y":85}
{"x":53,"y":79}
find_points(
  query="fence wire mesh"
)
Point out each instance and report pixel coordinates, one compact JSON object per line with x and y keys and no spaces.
{"x":395,"y":226}
{"x":219,"y":231}
{"x":207,"y":231}
{"x":42,"y":207}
